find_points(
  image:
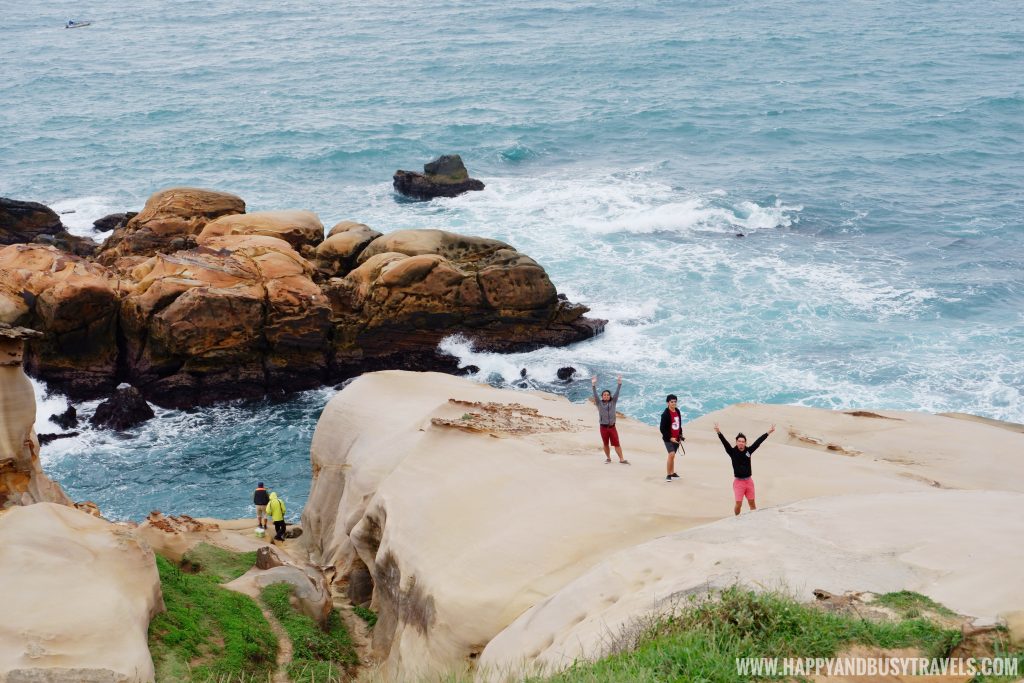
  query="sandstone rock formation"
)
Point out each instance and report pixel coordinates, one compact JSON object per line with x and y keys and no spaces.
{"x":25,"y":221}
{"x":868,"y":542}
{"x":297,"y":228}
{"x":79,"y":593}
{"x":22,"y":481}
{"x":312,"y":595}
{"x":170,"y":221}
{"x":455,"y":507}
{"x":75,"y":303}
{"x":200,"y":302}
{"x":445,"y":176}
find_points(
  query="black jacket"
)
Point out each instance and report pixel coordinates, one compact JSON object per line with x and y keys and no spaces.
{"x":260,"y":497}
{"x":741,"y":459}
{"x":666,"y":425}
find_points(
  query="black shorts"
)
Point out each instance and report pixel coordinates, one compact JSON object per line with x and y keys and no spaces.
{"x":671,"y":446}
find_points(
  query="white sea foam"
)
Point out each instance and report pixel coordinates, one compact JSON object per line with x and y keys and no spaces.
{"x":78,"y":213}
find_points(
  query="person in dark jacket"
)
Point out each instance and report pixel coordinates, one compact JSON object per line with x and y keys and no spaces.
{"x":260,"y":498}
{"x":743,"y":483}
{"x":672,"y":435}
{"x":606,"y":416}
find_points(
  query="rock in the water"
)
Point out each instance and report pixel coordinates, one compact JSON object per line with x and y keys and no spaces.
{"x":47,"y":438}
{"x":566,"y":373}
{"x":25,"y":221}
{"x":79,"y":593}
{"x":113,"y":221}
{"x":66,"y":420}
{"x":445,"y":176}
{"x":125,"y":409}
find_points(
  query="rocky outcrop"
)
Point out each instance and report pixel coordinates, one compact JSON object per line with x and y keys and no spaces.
{"x":125,"y":409}
{"x":75,"y":303}
{"x":170,"y":221}
{"x":872,"y":542}
{"x":520,"y":508}
{"x":445,"y":176}
{"x":297,"y":228}
{"x":22,"y":481}
{"x":79,"y":593}
{"x":113,"y":221}
{"x":25,"y":221}
{"x":200,"y":302}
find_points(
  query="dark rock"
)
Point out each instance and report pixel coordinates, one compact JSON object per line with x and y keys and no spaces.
{"x":267,"y":558}
{"x":67,"y":419}
{"x":445,"y":176}
{"x":566,"y":373}
{"x":47,"y":438}
{"x":522,"y":373}
{"x":126,"y":408}
{"x":113,"y":221}
{"x":25,"y":221}
{"x":471,"y":369}
{"x":293,"y":532}
{"x":72,"y":244}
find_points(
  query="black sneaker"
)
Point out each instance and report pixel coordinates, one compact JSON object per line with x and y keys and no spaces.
{"x":674,"y":475}
{"x":668,"y":479}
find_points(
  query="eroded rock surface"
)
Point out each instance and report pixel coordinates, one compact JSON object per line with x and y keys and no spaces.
{"x":79,"y":593}
{"x":445,"y":176}
{"x":25,"y":221}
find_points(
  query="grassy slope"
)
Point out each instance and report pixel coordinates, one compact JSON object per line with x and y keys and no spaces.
{"x":319,"y":656}
{"x":703,"y":639}
{"x":209,"y":633}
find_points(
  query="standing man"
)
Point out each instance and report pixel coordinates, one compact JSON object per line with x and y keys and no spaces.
{"x":743,"y":484}
{"x":260,"y":500}
{"x":672,"y":434}
{"x":275,"y":511}
{"x":606,"y":414}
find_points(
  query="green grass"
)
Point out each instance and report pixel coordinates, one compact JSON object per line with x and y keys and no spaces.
{"x":209,"y":633}
{"x":702,"y":640}
{"x":319,"y":655}
{"x":909,"y":604}
{"x":216,"y":562}
{"x":366,"y":614}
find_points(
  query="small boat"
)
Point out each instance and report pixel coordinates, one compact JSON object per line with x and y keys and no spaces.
{"x":76,"y":24}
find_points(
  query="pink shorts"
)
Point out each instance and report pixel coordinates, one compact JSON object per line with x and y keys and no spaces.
{"x":743,"y":487}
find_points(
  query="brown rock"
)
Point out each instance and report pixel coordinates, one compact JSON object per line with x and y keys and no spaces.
{"x":337,"y":255}
{"x":25,"y":221}
{"x":445,"y":176}
{"x":297,"y":228}
{"x":170,"y":220}
{"x":74,"y":303}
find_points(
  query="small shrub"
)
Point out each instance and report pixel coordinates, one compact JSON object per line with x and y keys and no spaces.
{"x":366,"y":614}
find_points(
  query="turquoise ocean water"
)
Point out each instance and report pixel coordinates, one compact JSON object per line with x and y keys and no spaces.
{"x":871,"y":153}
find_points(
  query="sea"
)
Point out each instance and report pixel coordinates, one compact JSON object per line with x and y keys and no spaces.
{"x":779,"y":201}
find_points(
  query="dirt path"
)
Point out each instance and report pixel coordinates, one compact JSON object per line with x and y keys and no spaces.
{"x":284,"y":646}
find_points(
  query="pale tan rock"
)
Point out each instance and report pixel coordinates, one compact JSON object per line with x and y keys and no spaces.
{"x":311,"y":593}
{"x":930,"y":542}
{"x":452,"y":246}
{"x":346,"y":240}
{"x":297,"y":228}
{"x":22,"y":480}
{"x":79,"y":593}
{"x":464,"y":519}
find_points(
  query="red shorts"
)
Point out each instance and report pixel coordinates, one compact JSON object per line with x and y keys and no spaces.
{"x":743,"y":487}
{"x":609,"y":434}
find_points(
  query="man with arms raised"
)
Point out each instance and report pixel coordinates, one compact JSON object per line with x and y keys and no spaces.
{"x":743,"y":484}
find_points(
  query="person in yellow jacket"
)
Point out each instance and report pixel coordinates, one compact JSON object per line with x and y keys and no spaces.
{"x":275,"y":511}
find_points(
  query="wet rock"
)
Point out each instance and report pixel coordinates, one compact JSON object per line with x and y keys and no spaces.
{"x":47,"y":438}
{"x":565,"y":374}
{"x":113,"y":221}
{"x":125,"y":409}
{"x":445,"y":176}
{"x":25,"y":221}
{"x":66,"y":420}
